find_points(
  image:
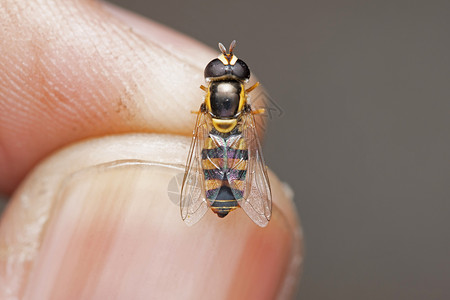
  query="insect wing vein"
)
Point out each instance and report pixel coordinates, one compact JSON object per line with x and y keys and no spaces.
{"x":256,"y":200}
{"x":193,"y":203}
{"x":213,"y":160}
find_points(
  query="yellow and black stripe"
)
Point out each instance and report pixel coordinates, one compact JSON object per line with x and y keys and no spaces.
{"x":222,"y":165}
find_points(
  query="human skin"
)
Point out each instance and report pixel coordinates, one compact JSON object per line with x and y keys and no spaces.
{"x":94,"y":124}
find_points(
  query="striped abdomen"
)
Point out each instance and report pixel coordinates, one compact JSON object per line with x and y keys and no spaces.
{"x":224,"y":160}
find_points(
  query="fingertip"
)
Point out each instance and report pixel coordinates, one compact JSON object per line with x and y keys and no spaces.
{"x":103,"y":226}
{"x":183,"y":46}
{"x":73,"y":71}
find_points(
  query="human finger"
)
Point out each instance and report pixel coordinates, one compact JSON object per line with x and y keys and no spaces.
{"x":96,"y":220}
{"x":71,"y":70}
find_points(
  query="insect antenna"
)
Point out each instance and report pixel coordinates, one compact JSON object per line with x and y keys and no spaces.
{"x":232,"y":45}
{"x":223,"y":49}
{"x":228,"y":55}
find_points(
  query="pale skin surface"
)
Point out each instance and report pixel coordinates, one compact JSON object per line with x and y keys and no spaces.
{"x":108,"y":86}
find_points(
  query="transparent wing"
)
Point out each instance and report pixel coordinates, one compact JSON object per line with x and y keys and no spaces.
{"x":193,"y":202}
{"x":252,"y":190}
{"x":213,"y":166}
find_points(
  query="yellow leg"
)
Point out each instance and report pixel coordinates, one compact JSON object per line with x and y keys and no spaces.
{"x":204,"y":88}
{"x":252,"y":87}
{"x":258,"y":111}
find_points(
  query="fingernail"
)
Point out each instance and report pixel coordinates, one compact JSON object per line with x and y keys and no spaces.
{"x":115,"y":233}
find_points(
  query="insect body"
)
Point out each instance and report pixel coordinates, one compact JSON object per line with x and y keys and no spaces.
{"x":225,"y":167}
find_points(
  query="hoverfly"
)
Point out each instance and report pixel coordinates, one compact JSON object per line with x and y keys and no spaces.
{"x":225,"y":167}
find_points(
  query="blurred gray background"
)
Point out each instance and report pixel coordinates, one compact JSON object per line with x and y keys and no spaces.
{"x":364,"y":139}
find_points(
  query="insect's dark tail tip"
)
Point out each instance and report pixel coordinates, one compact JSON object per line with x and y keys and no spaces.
{"x":222,"y":214}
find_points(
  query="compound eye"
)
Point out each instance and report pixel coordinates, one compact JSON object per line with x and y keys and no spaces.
{"x":215,"y":68}
{"x":241,"y":70}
